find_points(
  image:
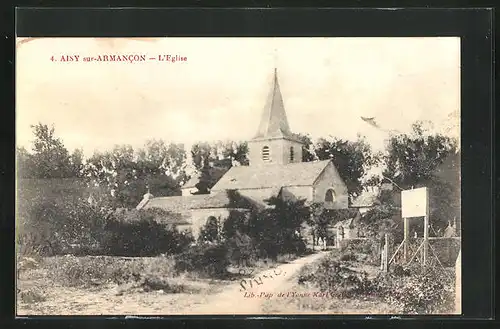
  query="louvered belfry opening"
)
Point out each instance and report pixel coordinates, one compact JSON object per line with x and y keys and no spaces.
{"x":265,"y":153}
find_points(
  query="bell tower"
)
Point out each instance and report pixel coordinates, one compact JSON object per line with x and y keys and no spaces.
{"x":274,"y":143}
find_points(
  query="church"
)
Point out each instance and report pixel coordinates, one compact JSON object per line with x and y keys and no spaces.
{"x":275,"y":169}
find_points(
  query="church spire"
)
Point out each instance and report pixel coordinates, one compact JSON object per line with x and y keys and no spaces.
{"x":274,"y":122}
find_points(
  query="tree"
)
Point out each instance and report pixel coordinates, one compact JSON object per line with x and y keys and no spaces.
{"x":77,"y":163}
{"x":351,"y":158}
{"x":48,"y":159}
{"x":319,"y":221}
{"x":127,"y":175}
{"x":274,"y":229}
{"x":308,"y":153}
{"x":212,"y":161}
{"x":416,"y":160}
{"x":24,"y":163}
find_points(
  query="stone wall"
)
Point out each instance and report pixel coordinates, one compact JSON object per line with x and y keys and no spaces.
{"x":330,"y":179}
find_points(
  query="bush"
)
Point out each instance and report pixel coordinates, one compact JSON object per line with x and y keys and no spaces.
{"x":410,"y":290}
{"x":205,"y":260}
{"x":241,"y":250}
{"x":162,"y":284}
{"x":348,"y":257}
{"x":97,"y":270}
{"x":33,"y":295}
{"x":429,"y":292}
{"x":446,"y":250}
{"x":143,"y":235}
{"x":47,"y":228}
{"x":367,"y":247}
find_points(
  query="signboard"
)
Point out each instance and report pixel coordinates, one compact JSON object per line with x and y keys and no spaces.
{"x":414,"y":203}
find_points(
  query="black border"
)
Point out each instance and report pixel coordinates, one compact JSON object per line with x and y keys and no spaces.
{"x":474,"y":26}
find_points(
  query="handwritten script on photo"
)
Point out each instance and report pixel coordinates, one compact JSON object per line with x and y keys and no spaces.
{"x":249,"y":283}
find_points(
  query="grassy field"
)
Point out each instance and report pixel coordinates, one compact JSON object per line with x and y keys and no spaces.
{"x":104,"y":285}
{"x":305,"y":297}
{"x":323,"y":283}
{"x":345,"y":285}
{"x":108,"y":285}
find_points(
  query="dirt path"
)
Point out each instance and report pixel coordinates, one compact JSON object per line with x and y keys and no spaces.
{"x":211,"y":298}
{"x":248,"y":298}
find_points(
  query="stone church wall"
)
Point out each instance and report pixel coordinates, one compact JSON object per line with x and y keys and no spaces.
{"x":279,"y":151}
{"x":330,"y":179}
{"x":301,"y":192}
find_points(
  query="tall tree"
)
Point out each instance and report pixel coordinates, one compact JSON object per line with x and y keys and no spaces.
{"x":308,"y":153}
{"x":420,"y":159}
{"x":24,"y":163}
{"x":126,"y":174}
{"x":274,"y":229}
{"x":77,"y":163}
{"x":351,"y":158}
{"x":50,"y":158}
{"x":212,"y":161}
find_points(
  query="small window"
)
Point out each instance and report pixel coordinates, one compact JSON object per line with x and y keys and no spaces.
{"x":265,"y":153}
{"x":330,"y":196}
{"x":291,"y":154}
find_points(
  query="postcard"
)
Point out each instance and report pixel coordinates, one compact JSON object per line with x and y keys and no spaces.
{"x":248,"y":176}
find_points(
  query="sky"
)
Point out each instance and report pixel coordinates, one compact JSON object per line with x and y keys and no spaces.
{"x":220,"y":91}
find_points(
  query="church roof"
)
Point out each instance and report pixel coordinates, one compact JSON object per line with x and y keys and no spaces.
{"x":274,"y":122}
{"x":271,"y":176}
{"x":177,"y":204}
{"x":222,"y":199}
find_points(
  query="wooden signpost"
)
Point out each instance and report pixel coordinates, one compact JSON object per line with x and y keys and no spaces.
{"x":414,"y":203}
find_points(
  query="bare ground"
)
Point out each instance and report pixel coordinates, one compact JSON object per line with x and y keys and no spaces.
{"x":308,"y":300}
{"x":258,"y":295}
{"x":204,"y":296}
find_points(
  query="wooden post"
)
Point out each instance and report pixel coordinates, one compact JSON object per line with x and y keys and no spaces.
{"x":386,"y":253}
{"x":426,"y":232}
{"x":406,"y":238}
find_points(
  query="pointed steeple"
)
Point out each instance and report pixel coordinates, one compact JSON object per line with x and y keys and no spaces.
{"x":274,"y":122}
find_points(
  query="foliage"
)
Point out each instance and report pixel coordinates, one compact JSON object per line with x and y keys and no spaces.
{"x":428,"y":292}
{"x":205,"y":260}
{"x":53,"y":222}
{"x":142,"y":235}
{"x":367,"y":249}
{"x":308,"y":153}
{"x":97,"y":270}
{"x":220,"y":153}
{"x":212,"y":161}
{"x":351,"y":158}
{"x":333,"y":277}
{"x":274,"y":229}
{"x":33,"y":295}
{"x":412,"y":291}
{"x":416,"y":160}
{"x":348,"y":257}
{"x":320,"y":220}
{"x":211,"y":231}
{"x":48,"y":226}
{"x":127,"y":175}
{"x":48,"y":157}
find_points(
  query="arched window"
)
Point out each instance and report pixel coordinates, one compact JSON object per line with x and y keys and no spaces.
{"x":329,"y":196}
{"x":291,"y":154}
{"x":265,"y":153}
